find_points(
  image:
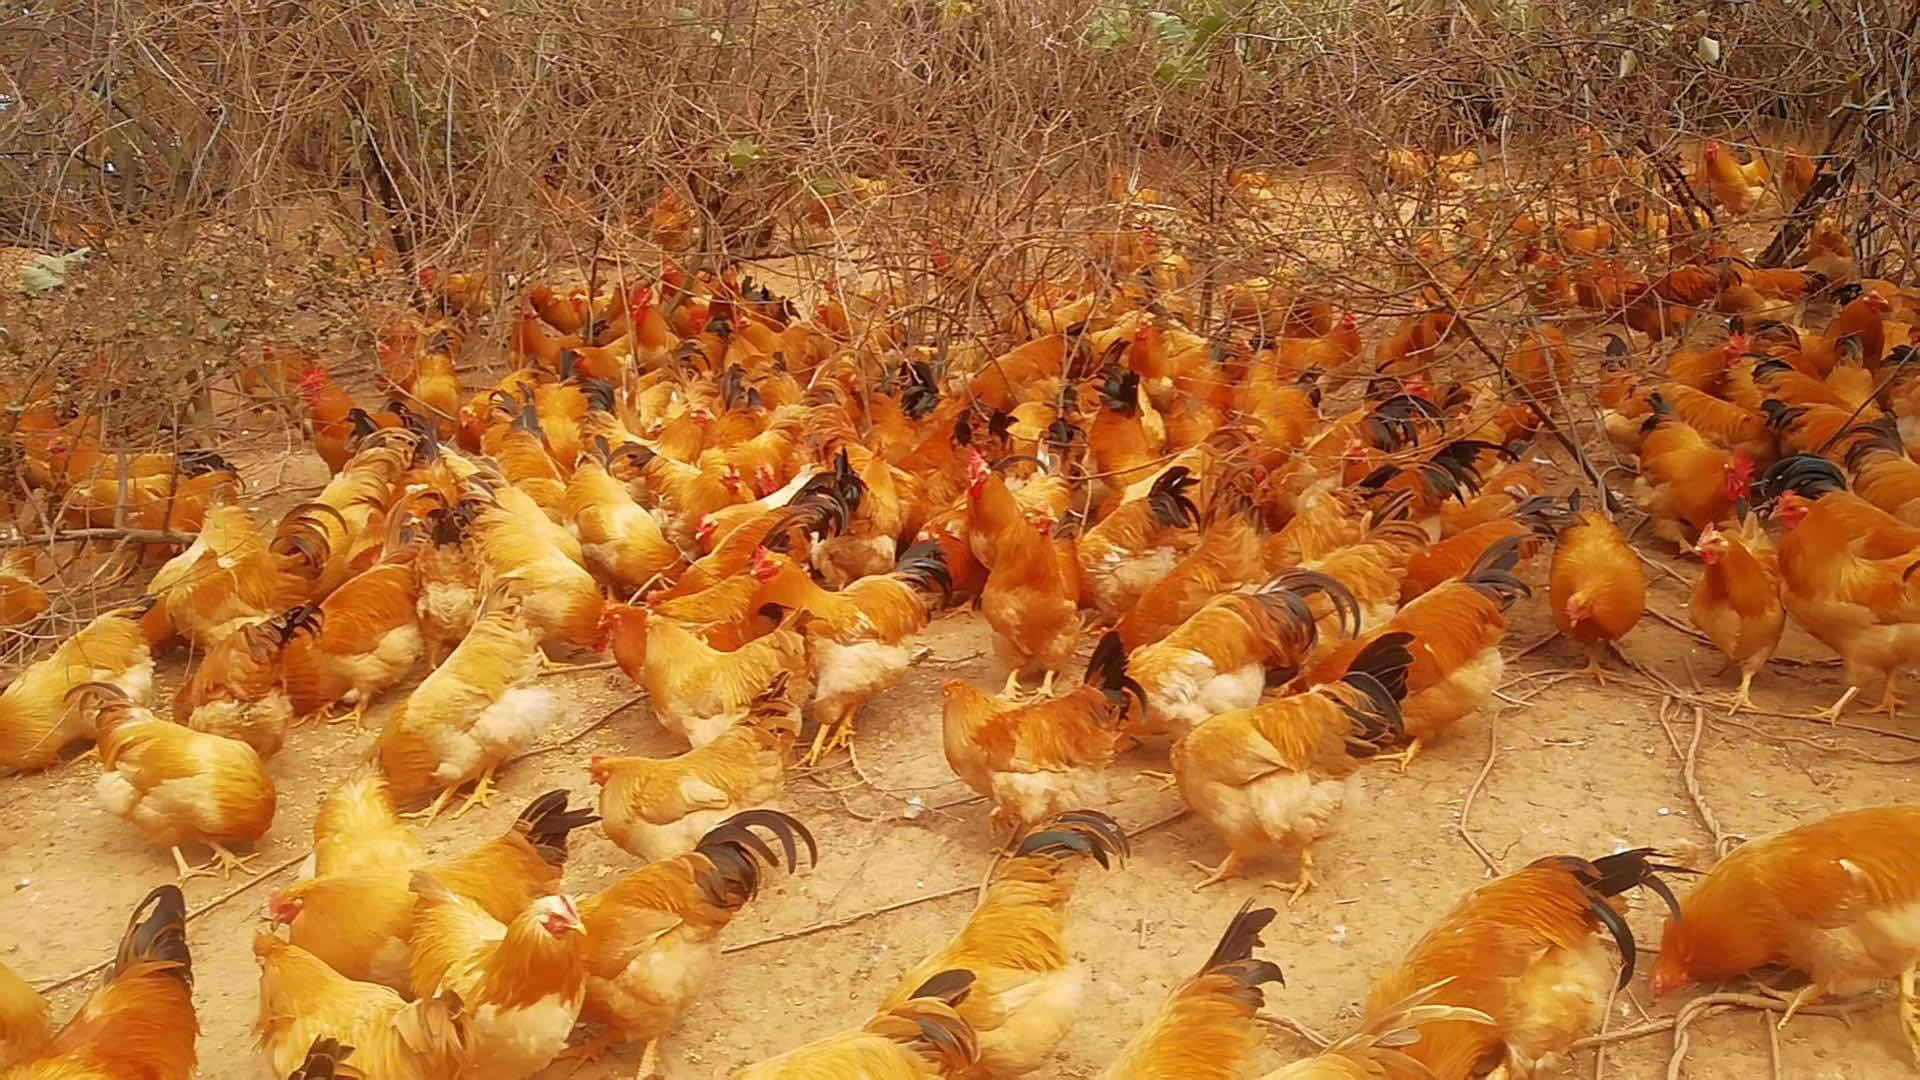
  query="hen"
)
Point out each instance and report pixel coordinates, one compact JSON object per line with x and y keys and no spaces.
{"x":1736,"y":602}
{"x":302,"y":1001}
{"x":1595,"y":586}
{"x":36,"y":719}
{"x":658,"y":808}
{"x":699,"y":691}
{"x":180,"y":786}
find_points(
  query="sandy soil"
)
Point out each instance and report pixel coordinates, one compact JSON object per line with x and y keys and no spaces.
{"x":1575,"y":769}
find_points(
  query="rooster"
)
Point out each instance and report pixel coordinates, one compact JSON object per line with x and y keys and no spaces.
{"x":23,"y":1018}
{"x":36,"y":720}
{"x":140,"y":1022}
{"x":1206,"y":1030}
{"x":923,"y":1039}
{"x":238,"y":690}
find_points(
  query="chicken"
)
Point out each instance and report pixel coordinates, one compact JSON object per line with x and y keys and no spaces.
{"x":698,"y":691}
{"x":1027,"y":986}
{"x":179,"y":786}
{"x":1218,"y":659}
{"x":449,"y":570}
{"x":1206,"y":1030}
{"x":366,"y":639}
{"x":325,"y":1059}
{"x":357,"y":915}
{"x":1846,"y":574}
{"x":658,"y":808}
{"x":1455,"y":631}
{"x":230,"y":577}
{"x":560,"y":599}
{"x":1736,"y":186}
{"x":520,"y":984}
{"x":22,"y":600}
{"x":1036,"y":760}
{"x":23,"y":1018}
{"x":1375,"y":1052}
{"x":37,"y":721}
{"x":357,"y":828}
{"x":139,"y":1023}
{"x":238,"y":691}
{"x":1137,"y":545}
{"x":303,"y":1003}
{"x":858,"y":638}
{"x":1228,"y":555}
{"x":1736,"y":602}
{"x":327,"y":409}
{"x":1686,"y":483}
{"x":1595,"y":586}
{"x":924,"y":1039}
{"x":1031,"y":604}
{"x":1272,"y":776}
{"x":469,"y":715}
{"x":621,"y":541}
{"x":653,"y":935}
{"x":1834,"y":899}
{"x":1524,"y":950}
{"x":1531,"y":521}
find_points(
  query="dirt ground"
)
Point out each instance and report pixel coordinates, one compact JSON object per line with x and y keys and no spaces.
{"x":1573,"y":769}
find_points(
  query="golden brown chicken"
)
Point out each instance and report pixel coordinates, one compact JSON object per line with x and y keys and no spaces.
{"x":1031,"y":603}
{"x":1206,"y":1030}
{"x":520,"y":984}
{"x":1736,"y":602}
{"x":1833,"y":898}
{"x":1036,"y":760}
{"x":1735,"y":185}
{"x":1273,"y":776}
{"x":523,"y":551}
{"x":658,"y":808}
{"x":1686,"y":483}
{"x":179,"y":786}
{"x":1136,"y":546}
{"x":472,"y":713}
{"x":449,"y":570}
{"x":303,"y":1001}
{"x":621,"y":541}
{"x":1524,"y":950}
{"x":139,"y":1023}
{"x":1375,"y":1052}
{"x":698,"y":691}
{"x":1595,"y":586}
{"x":23,"y":1018}
{"x":366,"y":640}
{"x":653,"y":935}
{"x":238,"y":690}
{"x":924,"y":1039}
{"x":358,"y":828}
{"x":1027,"y":986}
{"x":356,"y":916}
{"x":36,"y":719}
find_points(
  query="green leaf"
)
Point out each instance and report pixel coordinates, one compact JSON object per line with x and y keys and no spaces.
{"x":743,"y":153}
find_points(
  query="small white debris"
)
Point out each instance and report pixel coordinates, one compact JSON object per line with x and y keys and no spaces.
{"x":1663,"y":811}
{"x":916,"y":806}
{"x":1339,"y":935}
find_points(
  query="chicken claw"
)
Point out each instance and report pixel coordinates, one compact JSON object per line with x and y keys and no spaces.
{"x":1011,"y":691}
{"x":228,"y":862}
{"x":1889,"y":704}
{"x":186,"y":871}
{"x":1807,"y":995}
{"x":1167,"y":781}
{"x":482,"y":794}
{"x":1228,"y":868}
{"x":1404,"y":757}
{"x":1046,"y":687}
{"x":353,"y":715}
{"x":593,"y":1051}
{"x":1742,"y":698}
{"x":1298,"y":888}
{"x":1831,"y":714}
{"x":433,"y":809}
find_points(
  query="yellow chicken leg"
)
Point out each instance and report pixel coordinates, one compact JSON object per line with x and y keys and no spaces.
{"x":594,"y":1049}
{"x":1742,"y":699}
{"x":1299,"y":887}
{"x":1228,"y":868}
{"x":1889,"y":704}
{"x":1831,"y":714}
{"x":353,"y":715}
{"x":1012,"y":689}
{"x":228,"y":862}
{"x":482,"y":794}
{"x":1910,"y":1012}
{"x":1046,"y":687}
{"x":1596,"y":650}
{"x":650,"y":1062}
{"x":433,"y":809}
{"x":1404,"y":757}
{"x":1808,"y":994}
{"x":186,"y":871}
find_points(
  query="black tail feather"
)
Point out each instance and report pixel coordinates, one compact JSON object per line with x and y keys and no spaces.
{"x":1107,"y":669}
{"x":157,"y":933}
{"x":1307,"y":582}
{"x":546,"y":822}
{"x":324,"y":1058}
{"x":1233,"y":955}
{"x":1080,"y":832}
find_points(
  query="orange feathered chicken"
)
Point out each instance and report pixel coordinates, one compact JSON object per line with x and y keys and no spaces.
{"x":367,"y":640}
{"x":1526,"y":951}
{"x":23,"y":1019}
{"x":1031,"y":602}
{"x":1273,"y":776}
{"x":469,"y":715}
{"x":1206,"y":1030}
{"x":658,"y":808}
{"x":1037,"y":760}
{"x":1027,"y":985}
{"x":357,"y":913}
{"x":1834,"y":899}
{"x":858,"y":638}
{"x":238,"y":691}
{"x":1736,"y":602}
{"x":1228,"y":555}
{"x":1219,"y":658}
{"x":1595,"y":586}
{"x":520,"y":984}
{"x":621,"y":541}
{"x":560,"y":601}
{"x":1686,"y":483}
{"x":1136,"y":546}
{"x":179,"y":786}
{"x":140,"y":1022}
{"x":328,"y":407}
{"x":924,"y":1039}
{"x":303,"y":1002}
{"x":37,"y":721}
{"x":1454,"y":638}
{"x":1532,"y":521}
{"x":699,"y":691}
{"x":1735,"y":185}
{"x":653,"y":935}
{"x":1846,"y":574}
{"x":1377,"y":1051}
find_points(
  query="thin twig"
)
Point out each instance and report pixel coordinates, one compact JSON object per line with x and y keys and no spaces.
{"x":1466,"y":805}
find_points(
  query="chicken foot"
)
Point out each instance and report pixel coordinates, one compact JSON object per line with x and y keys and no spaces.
{"x":1404,"y":757}
{"x":1228,"y":868}
{"x":1831,"y":714}
{"x":1742,"y":698}
{"x":1910,"y":1010}
{"x":433,"y":809}
{"x":1807,"y":995}
{"x":593,"y":1051}
{"x":1298,"y":887}
{"x":224,"y":862}
{"x":482,"y":794}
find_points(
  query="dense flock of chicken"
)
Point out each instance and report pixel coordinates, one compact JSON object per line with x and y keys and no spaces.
{"x":756,"y":514}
